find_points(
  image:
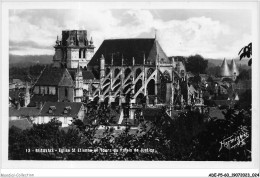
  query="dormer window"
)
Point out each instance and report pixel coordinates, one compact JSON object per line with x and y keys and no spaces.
{"x":66,"y":109}
{"x":51,"y":109}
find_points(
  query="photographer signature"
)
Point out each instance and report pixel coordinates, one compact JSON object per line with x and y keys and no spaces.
{"x":236,"y":140}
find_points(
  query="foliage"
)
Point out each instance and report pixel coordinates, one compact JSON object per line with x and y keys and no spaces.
{"x":245,"y":100}
{"x":196,"y":64}
{"x":190,"y":136}
{"x":41,"y":136}
{"x":244,"y":75}
{"x":246,"y":52}
{"x":29,"y":73}
{"x":214,"y":71}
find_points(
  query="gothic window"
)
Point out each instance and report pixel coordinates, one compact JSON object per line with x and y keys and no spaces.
{"x":80,"y":53}
{"x":66,"y":92}
{"x":138,"y":72}
{"x":127,"y":72}
{"x":149,"y":72}
{"x":107,"y":71}
{"x":84,"y":53}
{"x":151,"y":87}
{"x":116,"y":72}
{"x":138,"y":85}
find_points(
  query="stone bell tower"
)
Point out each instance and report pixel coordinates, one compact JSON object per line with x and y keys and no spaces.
{"x":73,"y":49}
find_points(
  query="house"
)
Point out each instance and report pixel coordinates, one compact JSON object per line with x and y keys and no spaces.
{"x":54,"y":85}
{"x":62,"y":111}
{"x":17,"y":112}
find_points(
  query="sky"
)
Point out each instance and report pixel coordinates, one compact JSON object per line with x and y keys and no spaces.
{"x":211,"y":33}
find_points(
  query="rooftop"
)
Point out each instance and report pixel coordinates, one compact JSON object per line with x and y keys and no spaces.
{"x":128,"y":49}
{"x":30,"y":111}
{"x":68,"y":109}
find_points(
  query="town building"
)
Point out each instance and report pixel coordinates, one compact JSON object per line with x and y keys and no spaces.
{"x":64,"y":112}
{"x":229,"y":72}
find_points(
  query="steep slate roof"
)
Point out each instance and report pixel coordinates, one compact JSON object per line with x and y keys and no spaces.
{"x":60,"y":107}
{"x":128,"y":48}
{"x":21,"y":124}
{"x":87,"y":75}
{"x":42,"y":98}
{"x":24,"y":112}
{"x":51,"y":76}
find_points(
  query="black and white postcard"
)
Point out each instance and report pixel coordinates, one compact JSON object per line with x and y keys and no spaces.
{"x":130,"y":85}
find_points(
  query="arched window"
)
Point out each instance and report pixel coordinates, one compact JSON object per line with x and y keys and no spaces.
{"x":66,"y":92}
{"x":138,"y":85}
{"x":151,"y":87}
{"x":116,"y":72}
{"x":127,"y":72}
{"x":149,"y":72}
{"x":138,"y":72}
{"x":84,"y":53}
{"x":80,"y":53}
{"x":107,"y":71}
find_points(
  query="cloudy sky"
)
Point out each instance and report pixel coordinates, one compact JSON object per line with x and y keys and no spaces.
{"x":211,"y":33}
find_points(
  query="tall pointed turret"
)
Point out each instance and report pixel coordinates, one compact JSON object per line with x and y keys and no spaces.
{"x":224,"y":70}
{"x":234,"y":69}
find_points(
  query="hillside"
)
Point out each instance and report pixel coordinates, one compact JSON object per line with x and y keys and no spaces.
{"x":28,"y":60}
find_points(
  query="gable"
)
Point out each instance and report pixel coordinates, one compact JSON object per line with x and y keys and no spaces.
{"x":50,"y":76}
{"x":66,"y":80}
{"x":157,"y":53}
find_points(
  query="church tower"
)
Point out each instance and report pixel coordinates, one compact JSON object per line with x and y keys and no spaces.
{"x":78,"y":85}
{"x":73,"y":49}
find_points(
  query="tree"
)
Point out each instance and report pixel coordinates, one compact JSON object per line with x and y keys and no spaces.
{"x":190,"y":136}
{"x":196,"y":64}
{"x":246,"y":52}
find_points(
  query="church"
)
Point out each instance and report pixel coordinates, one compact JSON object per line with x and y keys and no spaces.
{"x":122,"y":71}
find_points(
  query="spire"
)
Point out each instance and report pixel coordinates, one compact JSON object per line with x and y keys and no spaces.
{"x":57,"y":41}
{"x":234,"y":69}
{"x":86,"y":40}
{"x":91,"y":41}
{"x":133,"y":61}
{"x":224,"y":70}
{"x":91,"y":45}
